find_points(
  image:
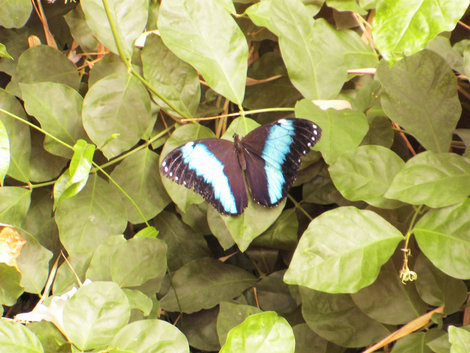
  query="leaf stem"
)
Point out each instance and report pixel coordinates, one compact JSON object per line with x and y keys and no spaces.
{"x":127,"y":62}
{"x":36,"y":127}
{"x":123,"y":191}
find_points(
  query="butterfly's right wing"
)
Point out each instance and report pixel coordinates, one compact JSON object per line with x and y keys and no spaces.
{"x":210,"y":167}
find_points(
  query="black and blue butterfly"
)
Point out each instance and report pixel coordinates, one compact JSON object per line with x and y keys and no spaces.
{"x":269,"y":155}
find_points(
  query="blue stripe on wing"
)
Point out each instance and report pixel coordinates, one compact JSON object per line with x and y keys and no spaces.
{"x":206,"y":165}
{"x":276,"y":148}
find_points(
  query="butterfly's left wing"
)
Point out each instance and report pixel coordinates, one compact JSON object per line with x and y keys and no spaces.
{"x":272,"y":153}
{"x":210,"y":167}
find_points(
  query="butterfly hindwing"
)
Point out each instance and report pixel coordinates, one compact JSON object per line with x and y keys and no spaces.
{"x":210,"y":167}
{"x":272,"y":153}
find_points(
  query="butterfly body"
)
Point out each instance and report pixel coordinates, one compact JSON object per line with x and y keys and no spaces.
{"x":269,"y":155}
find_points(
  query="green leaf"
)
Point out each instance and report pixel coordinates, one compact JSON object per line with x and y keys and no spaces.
{"x":129,"y":19}
{"x":139,"y":301}
{"x":404,"y":27}
{"x":414,"y":342}
{"x":307,"y":341}
{"x":282,"y":234}
{"x":201,"y":330}
{"x":180,"y":195}
{"x":346,"y":5}
{"x":43,"y":63}
{"x":251,"y":223}
{"x":80,"y":31}
{"x":231,"y":315}
{"x":366,"y":173}
{"x":188,"y":28}
{"x":180,"y":239}
{"x":342,"y":130}
{"x":4,"y":152}
{"x":443,"y":235}
{"x":335,"y":318}
{"x":87,"y":219}
{"x":11,"y":288}
{"x":342,"y":251}
{"x":15,"y":14}
{"x":138,"y":261}
{"x":420,"y":94}
{"x":19,"y":136}
{"x":4,"y":53}
{"x":106,"y":110}
{"x":33,"y":263}
{"x":100,"y":264}
{"x":154,"y":336}
{"x":274,"y":294}
{"x":40,"y":220}
{"x":263,"y":332}
{"x":14,"y":204}
{"x":17,"y":338}
{"x":58,"y":108}
{"x":138,"y":176}
{"x":74,"y":179}
{"x":174,"y":79}
{"x":310,"y":50}
{"x":94,"y":315}
{"x":388,"y":301}
{"x":436,"y":288}
{"x":460,"y":339}
{"x":109,"y":65}
{"x":204,"y":283}
{"x":433,"y":179}
{"x":147,"y":232}
{"x":44,"y":166}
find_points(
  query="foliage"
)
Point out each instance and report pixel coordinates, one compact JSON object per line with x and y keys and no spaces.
{"x":374,"y":237}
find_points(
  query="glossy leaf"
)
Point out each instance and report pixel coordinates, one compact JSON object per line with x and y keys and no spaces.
{"x":155,"y":336}
{"x":43,"y":63}
{"x":15,"y":14}
{"x":347,"y":243}
{"x":180,"y":238}
{"x":129,"y":19}
{"x":18,"y":135}
{"x":14,"y":204}
{"x":335,"y":318}
{"x":87,"y":219}
{"x":204,"y":283}
{"x":138,"y":176}
{"x":73,"y":180}
{"x":4,"y":152}
{"x":95,"y":313}
{"x":366,"y":173}
{"x":106,"y":110}
{"x":187,"y":29}
{"x":11,"y":287}
{"x":420,"y":94}
{"x":436,"y":288}
{"x":433,"y":179}
{"x":263,"y":332}
{"x":342,"y":130}
{"x":309,"y":49}
{"x":404,"y":27}
{"x":17,"y":338}
{"x":460,"y":339}
{"x":231,"y":315}
{"x":58,"y":108}
{"x":443,"y":235}
{"x":174,"y":79}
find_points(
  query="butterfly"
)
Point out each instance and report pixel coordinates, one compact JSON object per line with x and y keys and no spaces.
{"x":269,"y":156}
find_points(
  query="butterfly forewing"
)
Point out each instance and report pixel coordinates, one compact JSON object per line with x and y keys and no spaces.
{"x":210,"y":167}
{"x":272,"y":154}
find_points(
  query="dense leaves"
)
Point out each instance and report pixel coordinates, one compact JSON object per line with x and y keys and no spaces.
{"x":93,"y":94}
